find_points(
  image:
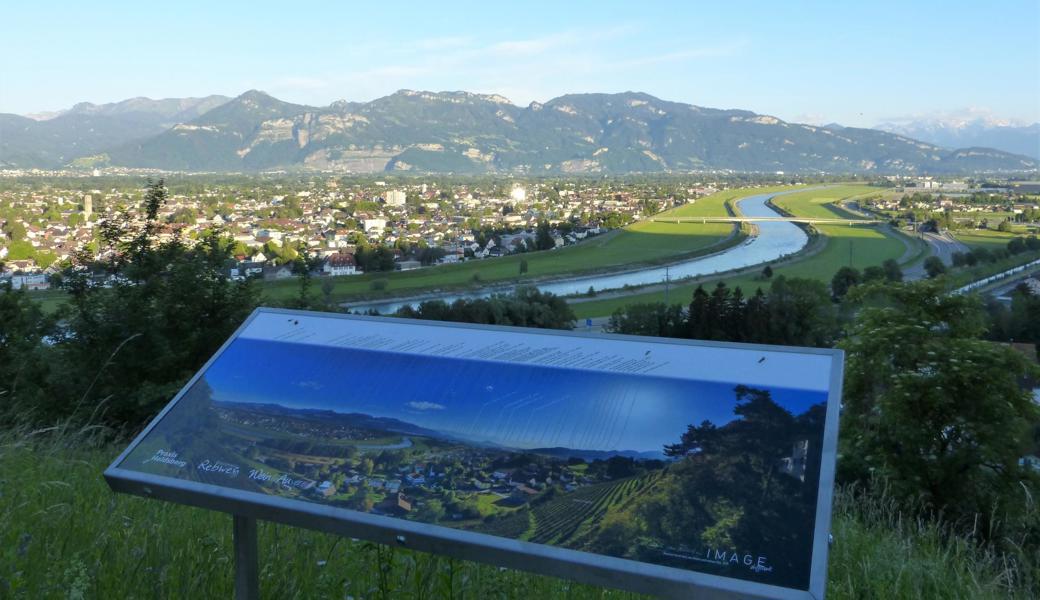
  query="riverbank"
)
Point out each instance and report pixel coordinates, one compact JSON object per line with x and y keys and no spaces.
{"x":833,"y":246}
{"x":774,"y":240}
{"x":640,"y":244}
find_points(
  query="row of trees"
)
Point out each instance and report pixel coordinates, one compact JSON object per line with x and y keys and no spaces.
{"x":527,"y":307}
{"x":936,"y":414}
{"x":849,"y":277}
{"x":793,"y":311}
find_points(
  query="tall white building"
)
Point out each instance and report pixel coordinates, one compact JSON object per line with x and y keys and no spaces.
{"x":395,"y":198}
{"x":88,"y":206}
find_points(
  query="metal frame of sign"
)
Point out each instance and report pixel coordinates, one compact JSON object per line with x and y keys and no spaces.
{"x":584,"y":567}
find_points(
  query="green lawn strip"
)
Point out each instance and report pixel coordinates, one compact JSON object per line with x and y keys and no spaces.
{"x":64,"y":533}
{"x":649,"y":243}
{"x":820,"y":203}
{"x":49,"y":300}
{"x":642,"y":243}
{"x":870,"y":246}
{"x":714,"y":205}
{"x":859,"y":246}
{"x":961,"y":276}
{"x":990,"y":239}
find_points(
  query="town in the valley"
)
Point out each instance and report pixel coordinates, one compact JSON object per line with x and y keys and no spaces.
{"x":281,"y":226}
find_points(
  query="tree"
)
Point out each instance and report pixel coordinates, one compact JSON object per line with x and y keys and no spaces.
{"x":543,"y":239}
{"x":431,"y":511}
{"x":844,"y":280}
{"x":800,"y":313}
{"x":934,"y":267}
{"x":794,"y":312}
{"x":931,"y":411}
{"x":14,"y":230}
{"x":657,"y":319}
{"x":24,"y":366}
{"x":874,"y":273}
{"x":526,"y":307}
{"x":131,"y":346}
{"x":767,"y":272}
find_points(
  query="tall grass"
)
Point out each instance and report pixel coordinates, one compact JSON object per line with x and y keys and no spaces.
{"x":63,"y":534}
{"x":881,"y":552}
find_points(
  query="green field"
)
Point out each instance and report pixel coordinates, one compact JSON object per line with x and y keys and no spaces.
{"x":838,"y":245}
{"x":989,"y":239}
{"x":64,"y":534}
{"x":715,"y":204}
{"x":821,"y":203}
{"x":641,"y":243}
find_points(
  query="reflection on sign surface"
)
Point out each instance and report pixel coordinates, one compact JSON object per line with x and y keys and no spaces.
{"x":625,"y":448}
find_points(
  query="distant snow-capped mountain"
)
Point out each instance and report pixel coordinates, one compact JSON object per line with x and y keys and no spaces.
{"x":970,"y":127}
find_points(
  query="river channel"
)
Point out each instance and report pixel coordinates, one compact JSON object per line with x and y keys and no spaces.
{"x":773,"y":240}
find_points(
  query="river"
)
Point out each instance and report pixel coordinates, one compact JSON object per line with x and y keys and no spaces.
{"x":773,"y":240}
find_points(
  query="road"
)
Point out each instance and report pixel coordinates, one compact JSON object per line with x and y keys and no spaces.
{"x":943,"y":245}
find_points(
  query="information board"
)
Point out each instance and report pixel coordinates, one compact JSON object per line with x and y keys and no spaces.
{"x":649,"y":464}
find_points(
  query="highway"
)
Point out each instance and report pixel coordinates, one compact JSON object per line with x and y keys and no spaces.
{"x":943,"y":245}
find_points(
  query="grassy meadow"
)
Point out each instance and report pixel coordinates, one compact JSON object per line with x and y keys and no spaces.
{"x":642,"y":243}
{"x":64,"y":534}
{"x":650,"y":243}
{"x":990,"y":239}
{"x":836,"y":246}
{"x":715,"y":204}
{"x":821,"y":203}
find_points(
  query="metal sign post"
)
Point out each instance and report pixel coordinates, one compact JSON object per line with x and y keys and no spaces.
{"x":247,"y":572}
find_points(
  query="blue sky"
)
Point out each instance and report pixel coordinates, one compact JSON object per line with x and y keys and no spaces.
{"x":855,"y":63}
{"x":512,"y":405}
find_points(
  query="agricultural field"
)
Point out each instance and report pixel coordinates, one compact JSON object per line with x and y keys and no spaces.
{"x":566,"y":521}
{"x":715,"y":204}
{"x":821,"y":203}
{"x":990,"y":239}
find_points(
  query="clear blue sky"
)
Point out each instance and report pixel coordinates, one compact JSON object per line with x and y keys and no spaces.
{"x":515,"y":405}
{"x":856,"y":63}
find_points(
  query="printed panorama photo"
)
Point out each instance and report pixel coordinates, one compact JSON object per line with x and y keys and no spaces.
{"x":720,"y":478}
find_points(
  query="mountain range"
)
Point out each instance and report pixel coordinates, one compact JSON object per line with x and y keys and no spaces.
{"x":467,"y":133}
{"x":970,"y":127}
{"x":52,"y":140}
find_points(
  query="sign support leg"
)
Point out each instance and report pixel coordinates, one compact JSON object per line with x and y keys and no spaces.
{"x":247,"y":573}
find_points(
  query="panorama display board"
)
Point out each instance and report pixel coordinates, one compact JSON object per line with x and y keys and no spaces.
{"x":655,"y":465}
